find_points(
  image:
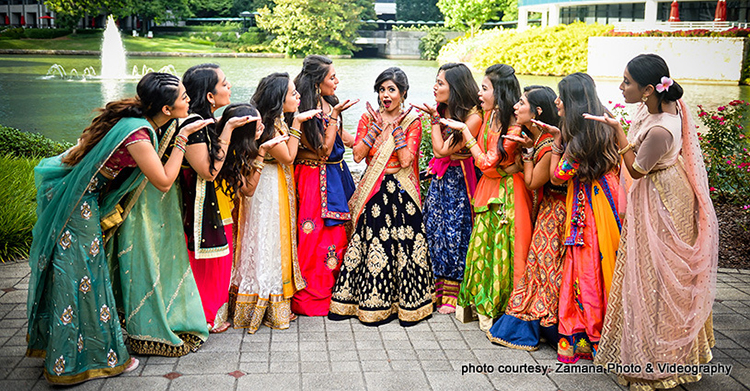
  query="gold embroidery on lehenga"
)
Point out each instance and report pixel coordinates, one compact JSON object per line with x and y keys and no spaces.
{"x":376,"y":258}
{"x":86,"y":210}
{"x":65,"y":240}
{"x":375,"y":211}
{"x":420,"y":251}
{"x":384,"y":234}
{"x":67,"y":316}
{"x":85,"y":285}
{"x":410,"y":208}
{"x":104,"y":314}
{"x":95,"y":247}
{"x":391,"y":187}
{"x":112,"y":358}
{"x":331,"y":259}
{"x":93,"y":184}
{"x":59,"y":365}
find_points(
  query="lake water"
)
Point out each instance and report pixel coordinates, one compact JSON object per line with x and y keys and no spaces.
{"x":61,"y":109}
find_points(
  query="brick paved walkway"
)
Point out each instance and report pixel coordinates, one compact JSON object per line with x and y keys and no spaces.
{"x":318,"y":354}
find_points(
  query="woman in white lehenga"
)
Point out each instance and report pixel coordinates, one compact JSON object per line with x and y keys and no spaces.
{"x":266,"y":272}
{"x":664,"y":282}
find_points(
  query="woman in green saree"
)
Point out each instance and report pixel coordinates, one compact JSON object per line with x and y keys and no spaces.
{"x":72,"y":322}
{"x":153,"y":283}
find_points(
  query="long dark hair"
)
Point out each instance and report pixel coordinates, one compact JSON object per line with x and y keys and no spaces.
{"x":315,"y":68}
{"x":542,"y":97}
{"x":506,"y":92}
{"x":463,"y":94}
{"x":154,"y":91}
{"x":269,"y":100}
{"x":648,"y":69}
{"x":590,"y":143}
{"x":243,"y":148}
{"x":199,"y":80}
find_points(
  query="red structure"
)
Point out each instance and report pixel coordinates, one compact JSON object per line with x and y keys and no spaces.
{"x":721,"y":11}
{"x":674,"y":12}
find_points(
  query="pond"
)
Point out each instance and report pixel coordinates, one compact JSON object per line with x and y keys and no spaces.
{"x":60,"y":109}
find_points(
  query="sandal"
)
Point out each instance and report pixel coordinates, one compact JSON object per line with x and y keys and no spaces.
{"x":216,"y":330}
{"x":133,"y":365}
{"x":292,"y":317}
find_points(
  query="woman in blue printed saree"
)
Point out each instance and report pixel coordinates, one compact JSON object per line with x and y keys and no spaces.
{"x":71,"y":308}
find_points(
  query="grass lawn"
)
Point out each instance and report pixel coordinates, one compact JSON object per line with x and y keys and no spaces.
{"x":132,"y":44}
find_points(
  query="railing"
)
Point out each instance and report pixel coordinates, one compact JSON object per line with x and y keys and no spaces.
{"x":636,"y":27}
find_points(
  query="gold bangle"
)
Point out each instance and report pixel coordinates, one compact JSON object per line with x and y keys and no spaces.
{"x":472,"y":142}
{"x":625,"y":149}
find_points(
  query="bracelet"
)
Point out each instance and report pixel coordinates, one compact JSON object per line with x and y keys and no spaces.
{"x":294,"y":132}
{"x":180,"y":142}
{"x":528,"y":154}
{"x":557,"y":150}
{"x":333,"y":119}
{"x":435,"y":119}
{"x":626,"y":149}
{"x":257,"y":165}
{"x":472,"y":142}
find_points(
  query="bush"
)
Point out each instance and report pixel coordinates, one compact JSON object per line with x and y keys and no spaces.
{"x":46,"y":33}
{"x":13,"y":33}
{"x":556,"y":50}
{"x":726,"y":149}
{"x":29,"y":145}
{"x":430,"y":45}
{"x":18,"y":213}
{"x":425,"y":155}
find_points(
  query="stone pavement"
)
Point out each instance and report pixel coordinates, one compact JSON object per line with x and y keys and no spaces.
{"x":318,"y":354}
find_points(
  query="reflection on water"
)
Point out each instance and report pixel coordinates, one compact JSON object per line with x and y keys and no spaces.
{"x":61,"y":109}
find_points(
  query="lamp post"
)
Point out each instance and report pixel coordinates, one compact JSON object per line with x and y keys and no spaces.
{"x":245,"y":15}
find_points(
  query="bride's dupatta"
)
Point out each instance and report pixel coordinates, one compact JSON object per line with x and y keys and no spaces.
{"x":373,"y":176}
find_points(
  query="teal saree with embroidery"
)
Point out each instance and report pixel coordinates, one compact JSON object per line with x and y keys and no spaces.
{"x":73,"y":324}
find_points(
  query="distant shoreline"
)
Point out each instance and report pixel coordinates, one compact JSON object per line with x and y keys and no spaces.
{"x":149,"y":54}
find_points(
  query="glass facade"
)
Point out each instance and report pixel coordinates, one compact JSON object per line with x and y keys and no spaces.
{"x":737,"y":11}
{"x":603,"y":13}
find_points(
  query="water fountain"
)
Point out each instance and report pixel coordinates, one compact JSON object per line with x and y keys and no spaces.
{"x":114,"y":60}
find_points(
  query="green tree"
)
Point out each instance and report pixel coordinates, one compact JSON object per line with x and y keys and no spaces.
{"x":240,"y":6}
{"x":425,"y":10}
{"x":156,"y":11}
{"x":368,"y":9}
{"x":510,"y":10}
{"x":469,"y":14}
{"x":211,"y":8}
{"x":71,"y":11}
{"x":305,"y":27}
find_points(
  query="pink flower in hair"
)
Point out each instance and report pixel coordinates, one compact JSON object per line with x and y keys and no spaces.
{"x":664,"y":85}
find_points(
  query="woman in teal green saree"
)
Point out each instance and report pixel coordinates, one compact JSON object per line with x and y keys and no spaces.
{"x":73,"y":323}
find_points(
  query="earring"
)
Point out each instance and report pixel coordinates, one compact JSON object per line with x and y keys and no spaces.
{"x":213,"y":104}
{"x":168,"y":113}
{"x":644,"y":98}
{"x":317,"y":90}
